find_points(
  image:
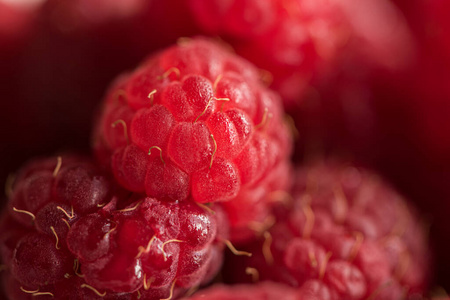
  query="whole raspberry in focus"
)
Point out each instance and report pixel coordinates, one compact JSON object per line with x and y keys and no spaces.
{"x":69,"y":233}
{"x":346,"y":234}
{"x":261,"y":291}
{"x":196,"y":120}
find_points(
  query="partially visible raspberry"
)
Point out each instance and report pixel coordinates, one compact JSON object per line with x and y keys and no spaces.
{"x":195,"y":120}
{"x":261,"y":291}
{"x":46,"y":190}
{"x":70,"y":233}
{"x":250,"y":213}
{"x":397,"y":122}
{"x":296,"y":40}
{"x":149,"y":243}
{"x":46,"y":198}
{"x":346,"y":234}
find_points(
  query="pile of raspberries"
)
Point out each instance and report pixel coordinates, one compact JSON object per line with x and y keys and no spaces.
{"x":190,"y":190}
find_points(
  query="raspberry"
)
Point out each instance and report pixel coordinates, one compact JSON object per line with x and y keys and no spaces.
{"x":296,"y":40}
{"x":249,"y":214}
{"x":346,"y":234}
{"x":148,"y":243}
{"x":264,"y":290}
{"x":194,"y":120}
{"x":70,"y":233}
{"x":46,"y":198}
{"x":66,"y":182}
{"x":397,"y":122}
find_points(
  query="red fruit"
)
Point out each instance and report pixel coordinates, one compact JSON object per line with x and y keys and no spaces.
{"x":37,"y":261}
{"x":148,"y":243}
{"x":195,"y":120}
{"x":296,"y":40}
{"x":345,"y":235}
{"x":396,"y":121}
{"x":260,"y":291}
{"x":55,"y":188}
{"x":71,"y":234}
{"x":45,"y":200}
{"x":314,"y":289}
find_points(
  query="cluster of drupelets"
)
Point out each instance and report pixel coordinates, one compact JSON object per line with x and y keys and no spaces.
{"x":150,"y":235}
{"x":153,"y":224}
{"x":192,"y":156}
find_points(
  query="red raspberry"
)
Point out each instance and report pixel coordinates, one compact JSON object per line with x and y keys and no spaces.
{"x":398,"y":121}
{"x":46,"y":198}
{"x":70,"y":233}
{"x":346,"y":231}
{"x":67,"y":182}
{"x":148,"y":243}
{"x":260,"y":291}
{"x":195,"y":120}
{"x":296,"y":40}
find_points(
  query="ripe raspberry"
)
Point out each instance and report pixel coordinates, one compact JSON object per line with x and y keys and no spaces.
{"x":149,"y":243}
{"x":70,"y":233}
{"x":347,"y":234}
{"x":249,"y":214}
{"x":260,"y":291}
{"x":296,"y":40}
{"x":42,"y":186}
{"x":398,"y":122}
{"x":194,"y":120}
{"x":46,"y":198}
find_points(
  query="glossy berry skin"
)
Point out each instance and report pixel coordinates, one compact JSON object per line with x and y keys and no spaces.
{"x":46,"y":197}
{"x":149,"y":243}
{"x":346,"y":234}
{"x":46,"y":190}
{"x":70,"y":233}
{"x":194,"y":120}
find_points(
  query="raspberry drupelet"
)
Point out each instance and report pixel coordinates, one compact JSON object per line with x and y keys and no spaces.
{"x":196,"y":121}
{"x":70,"y":233}
{"x":346,"y":234}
